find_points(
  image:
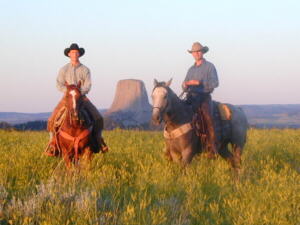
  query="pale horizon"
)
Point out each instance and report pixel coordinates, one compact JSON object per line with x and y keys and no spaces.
{"x":253,"y":45}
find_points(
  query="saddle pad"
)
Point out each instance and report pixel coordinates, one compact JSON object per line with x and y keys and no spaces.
{"x":225,"y":111}
{"x":222,"y":127}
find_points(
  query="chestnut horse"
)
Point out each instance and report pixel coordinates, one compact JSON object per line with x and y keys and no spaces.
{"x":74,"y":137}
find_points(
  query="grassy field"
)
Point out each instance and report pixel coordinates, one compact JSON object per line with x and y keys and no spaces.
{"x":134,"y":184}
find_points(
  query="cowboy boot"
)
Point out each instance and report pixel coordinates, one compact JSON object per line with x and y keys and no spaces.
{"x":104,"y":147}
{"x":99,"y":145}
{"x":212,"y":141}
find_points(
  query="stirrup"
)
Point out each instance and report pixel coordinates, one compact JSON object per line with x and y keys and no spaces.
{"x":104,"y":149}
{"x":51,"y":150}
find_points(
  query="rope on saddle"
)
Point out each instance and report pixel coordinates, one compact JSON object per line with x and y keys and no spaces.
{"x":58,"y":121}
{"x":60,"y":117}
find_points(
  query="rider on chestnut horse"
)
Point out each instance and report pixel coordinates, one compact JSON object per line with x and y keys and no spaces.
{"x":74,"y":73}
{"x":199,"y":83}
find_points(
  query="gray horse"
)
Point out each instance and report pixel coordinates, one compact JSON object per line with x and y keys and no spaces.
{"x":181,"y":140}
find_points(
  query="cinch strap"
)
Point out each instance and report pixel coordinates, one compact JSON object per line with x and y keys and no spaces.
{"x":76,"y":140}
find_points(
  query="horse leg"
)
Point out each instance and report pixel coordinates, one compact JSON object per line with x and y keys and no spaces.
{"x":167,"y":154}
{"x":175,"y":156}
{"x":237,"y":152}
{"x":67,"y":159}
{"x":226,"y":154}
{"x":187,"y":156}
{"x":86,"y":157}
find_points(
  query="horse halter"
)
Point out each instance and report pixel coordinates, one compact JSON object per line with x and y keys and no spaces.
{"x":160,"y":108}
{"x":156,"y":107}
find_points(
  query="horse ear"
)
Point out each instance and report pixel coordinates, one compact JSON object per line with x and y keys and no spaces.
{"x":155,"y":82}
{"x":79,"y":84}
{"x":169,"y":82}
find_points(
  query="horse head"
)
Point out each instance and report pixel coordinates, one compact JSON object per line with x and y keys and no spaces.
{"x":73,"y":97}
{"x":160,"y":99}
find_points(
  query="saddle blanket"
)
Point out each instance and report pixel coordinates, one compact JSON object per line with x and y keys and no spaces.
{"x":222,"y":116}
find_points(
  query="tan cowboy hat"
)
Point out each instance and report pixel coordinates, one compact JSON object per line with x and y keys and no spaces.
{"x":197,"y":47}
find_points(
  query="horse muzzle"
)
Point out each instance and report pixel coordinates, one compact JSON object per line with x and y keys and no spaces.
{"x":156,"y":118}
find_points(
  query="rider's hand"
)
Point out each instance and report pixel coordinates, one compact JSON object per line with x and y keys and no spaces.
{"x":184,"y":86}
{"x":192,"y":83}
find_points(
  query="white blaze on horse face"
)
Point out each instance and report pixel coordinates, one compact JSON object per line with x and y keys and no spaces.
{"x":159,"y":99}
{"x":73,"y":93}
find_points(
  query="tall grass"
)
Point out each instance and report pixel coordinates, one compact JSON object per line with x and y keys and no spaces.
{"x":134,"y":184}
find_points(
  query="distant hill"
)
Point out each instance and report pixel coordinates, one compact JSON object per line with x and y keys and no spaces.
{"x":260,"y":116}
{"x":277,"y":116}
{"x":14,"y":118}
{"x":18,"y":118}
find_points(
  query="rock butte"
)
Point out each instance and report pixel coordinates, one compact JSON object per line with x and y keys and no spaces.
{"x":130,"y":105}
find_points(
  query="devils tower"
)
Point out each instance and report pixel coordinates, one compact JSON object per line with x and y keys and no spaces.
{"x":130,"y":107}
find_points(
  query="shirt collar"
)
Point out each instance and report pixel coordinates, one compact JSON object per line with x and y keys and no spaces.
{"x":203,"y":62}
{"x":70,"y":64}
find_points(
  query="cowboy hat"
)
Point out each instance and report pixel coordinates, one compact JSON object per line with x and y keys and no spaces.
{"x":74,"y":46}
{"x":197,"y":47}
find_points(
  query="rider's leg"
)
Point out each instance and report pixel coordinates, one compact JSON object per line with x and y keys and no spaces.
{"x":208,"y":116}
{"x":98,"y":123}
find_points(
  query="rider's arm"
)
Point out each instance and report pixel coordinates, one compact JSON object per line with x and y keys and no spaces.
{"x":86,"y":82}
{"x":60,"y":81}
{"x":211,"y":81}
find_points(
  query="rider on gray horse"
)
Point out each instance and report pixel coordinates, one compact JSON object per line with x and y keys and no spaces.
{"x":199,"y":83}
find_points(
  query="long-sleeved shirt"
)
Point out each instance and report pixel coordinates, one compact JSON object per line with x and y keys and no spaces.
{"x":206,"y":73}
{"x":72,"y":75}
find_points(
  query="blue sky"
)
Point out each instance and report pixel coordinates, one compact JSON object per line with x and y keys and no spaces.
{"x":253,"y":44}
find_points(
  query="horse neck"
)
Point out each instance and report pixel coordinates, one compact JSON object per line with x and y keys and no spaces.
{"x":178,"y":113}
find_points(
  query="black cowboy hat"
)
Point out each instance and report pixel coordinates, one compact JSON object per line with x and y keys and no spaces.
{"x":74,"y":46}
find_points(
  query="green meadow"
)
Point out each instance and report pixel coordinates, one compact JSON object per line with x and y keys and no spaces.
{"x":134,"y":184}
